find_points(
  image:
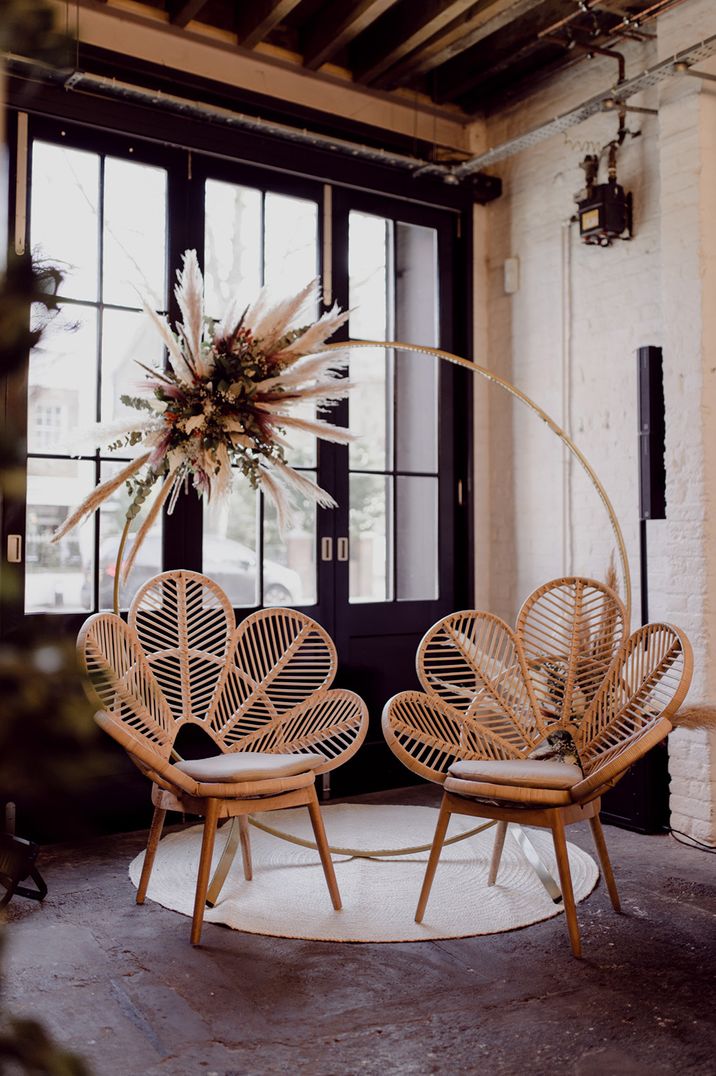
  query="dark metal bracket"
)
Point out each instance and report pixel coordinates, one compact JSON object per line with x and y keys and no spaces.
{"x":17,"y":863}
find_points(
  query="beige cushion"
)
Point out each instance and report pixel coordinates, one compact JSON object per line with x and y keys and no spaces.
{"x":250,"y":766}
{"x":528,"y":772}
{"x":509,"y":795}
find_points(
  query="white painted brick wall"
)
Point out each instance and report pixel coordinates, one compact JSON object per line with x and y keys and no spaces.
{"x":616,"y":307}
{"x":659,"y":289}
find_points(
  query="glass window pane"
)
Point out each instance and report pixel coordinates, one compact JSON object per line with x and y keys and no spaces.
{"x":370,"y":407}
{"x":370,"y":516}
{"x":112,"y":515}
{"x":64,"y":214}
{"x":230,"y":527}
{"x":416,"y":412}
{"x":135,"y":211}
{"x":290,"y":245}
{"x":416,"y":321}
{"x":233,"y":254}
{"x":127,"y":338}
{"x":303,"y":450}
{"x":417,"y":538}
{"x":291,"y":253}
{"x":62,"y":393}
{"x":58,"y":577}
{"x":370,"y":403}
{"x":290,"y":559}
{"x":368,"y":273}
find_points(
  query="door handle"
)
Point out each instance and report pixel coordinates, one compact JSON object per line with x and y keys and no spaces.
{"x":14,"y":549}
{"x":342,"y":549}
{"x":326,"y":549}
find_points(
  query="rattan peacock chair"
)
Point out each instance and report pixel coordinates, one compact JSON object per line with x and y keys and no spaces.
{"x":533,"y":726}
{"x":260,"y":690}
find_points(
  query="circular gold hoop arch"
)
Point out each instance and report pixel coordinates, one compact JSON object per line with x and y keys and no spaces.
{"x":232,"y":841}
{"x":458,"y":360}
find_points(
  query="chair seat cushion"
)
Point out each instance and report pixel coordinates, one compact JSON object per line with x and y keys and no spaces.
{"x":250,"y":766}
{"x":509,"y":795}
{"x":527,"y":772}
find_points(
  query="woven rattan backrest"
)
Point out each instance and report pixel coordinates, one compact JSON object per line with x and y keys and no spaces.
{"x":122,"y":681}
{"x":279,"y":659}
{"x":490,"y":693}
{"x":473,"y":662}
{"x":238,"y":683}
{"x":570,"y":630}
{"x":646,"y":684}
{"x":184,"y":623}
{"x":261,"y":686}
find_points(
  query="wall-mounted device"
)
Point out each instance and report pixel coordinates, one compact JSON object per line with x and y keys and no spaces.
{"x":652,"y":433}
{"x":604,"y":210}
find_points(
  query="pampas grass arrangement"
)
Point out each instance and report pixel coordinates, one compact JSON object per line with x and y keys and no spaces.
{"x":226,"y":401}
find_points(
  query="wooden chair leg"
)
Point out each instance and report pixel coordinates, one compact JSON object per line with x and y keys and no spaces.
{"x":497,"y":852}
{"x":565,"y":880}
{"x":245,"y":847}
{"x":155,"y":833}
{"x":233,"y":830}
{"x":320,"y":834}
{"x":202,"y":881}
{"x":440,"y":831}
{"x":600,"y":842}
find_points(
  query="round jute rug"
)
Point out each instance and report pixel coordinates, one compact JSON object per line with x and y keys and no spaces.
{"x":288,"y":897}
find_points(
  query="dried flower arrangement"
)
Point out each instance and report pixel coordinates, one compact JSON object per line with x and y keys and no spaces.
{"x":225,"y":401}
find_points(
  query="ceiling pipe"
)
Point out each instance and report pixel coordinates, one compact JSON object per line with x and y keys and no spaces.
{"x":629,"y":23}
{"x":83,"y":82}
{"x":678,"y":64}
{"x":592,"y":50}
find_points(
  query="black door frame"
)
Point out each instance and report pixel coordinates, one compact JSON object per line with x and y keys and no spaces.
{"x":182,"y":536}
{"x":401,"y":624}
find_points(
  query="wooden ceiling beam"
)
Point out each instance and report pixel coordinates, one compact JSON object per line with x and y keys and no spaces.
{"x":401,"y":32}
{"x":337,"y":25}
{"x":477,"y":64}
{"x":182,"y":12}
{"x":484,"y":18}
{"x":255,"y":19}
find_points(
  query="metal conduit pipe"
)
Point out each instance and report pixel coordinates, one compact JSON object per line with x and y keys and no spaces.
{"x":83,"y":82}
{"x":629,"y":23}
{"x":598,"y":50}
{"x":618,"y":94}
{"x":98,"y":85}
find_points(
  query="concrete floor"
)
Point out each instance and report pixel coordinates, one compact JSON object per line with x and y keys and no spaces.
{"x":122,"y":986}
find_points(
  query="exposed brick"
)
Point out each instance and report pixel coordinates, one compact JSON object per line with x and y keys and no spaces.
{"x":658,"y":289}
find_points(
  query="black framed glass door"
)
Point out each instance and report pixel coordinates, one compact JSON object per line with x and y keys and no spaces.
{"x":117,"y":213}
{"x":399,"y":487}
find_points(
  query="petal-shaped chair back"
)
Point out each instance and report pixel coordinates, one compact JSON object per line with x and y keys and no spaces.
{"x":184,"y":623}
{"x":570,"y":631}
{"x":279,"y":659}
{"x":261,"y":686}
{"x":122,"y":681}
{"x":473,"y":662}
{"x":644,"y":688}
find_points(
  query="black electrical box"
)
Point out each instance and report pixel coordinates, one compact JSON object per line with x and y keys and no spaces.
{"x":605,"y":214}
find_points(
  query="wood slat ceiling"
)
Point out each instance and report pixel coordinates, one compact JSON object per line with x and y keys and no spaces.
{"x":474,"y":54}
